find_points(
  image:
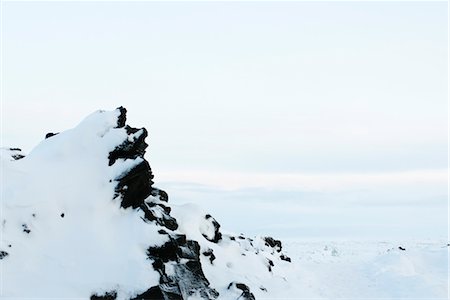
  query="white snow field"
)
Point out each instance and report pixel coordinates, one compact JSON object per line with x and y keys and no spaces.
{"x":370,"y":269}
{"x":65,"y":234}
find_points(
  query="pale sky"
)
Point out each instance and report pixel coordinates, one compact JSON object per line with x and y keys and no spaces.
{"x":274,"y":89}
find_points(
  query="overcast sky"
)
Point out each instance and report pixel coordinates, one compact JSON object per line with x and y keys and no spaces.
{"x":256,"y":93}
{"x":285,"y":87}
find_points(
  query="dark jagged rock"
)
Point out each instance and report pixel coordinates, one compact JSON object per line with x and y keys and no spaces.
{"x":186,"y":278}
{"x":50,"y":134}
{"x":122,"y":118}
{"x":209,"y":253}
{"x":192,"y":280}
{"x":269,"y":265}
{"x":3,"y":254}
{"x":107,"y":296}
{"x":152,"y":293}
{"x":151,"y":209}
{"x":135,"y":190}
{"x":25,"y":228}
{"x":217,"y":236}
{"x":130,"y":149}
{"x":160,"y":292}
{"x":135,"y":186}
{"x":16,"y":153}
{"x":246,"y":294}
{"x":401,"y":248}
{"x":273,"y":243}
{"x":168,"y":251}
{"x":160,"y":193}
{"x":285,"y":258}
{"x":189,"y":277}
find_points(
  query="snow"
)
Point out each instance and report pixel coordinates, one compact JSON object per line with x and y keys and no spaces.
{"x":370,"y":269}
{"x":352,"y":269}
{"x":233,"y":262}
{"x":67,"y":237}
{"x":96,"y":243}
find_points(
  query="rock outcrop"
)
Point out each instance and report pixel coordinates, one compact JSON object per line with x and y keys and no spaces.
{"x":182,"y":257}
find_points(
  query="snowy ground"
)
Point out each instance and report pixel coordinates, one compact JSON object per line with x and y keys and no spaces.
{"x":340,"y":251}
{"x":370,"y":269}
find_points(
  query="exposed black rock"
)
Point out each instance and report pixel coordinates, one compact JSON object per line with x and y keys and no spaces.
{"x":130,"y":149}
{"x":16,"y":153}
{"x":269,"y":265}
{"x":401,"y":248}
{"x":285,"y":258}
{"x":151,"y":209}
{"x":135,"y":186}
{"x":3,"y":254}
{"x":246,"y":294}
{"x":273,"y":243}
{"x":209,"y":253}
{"x":107,"y":296}
{"x":189,"y":277}
{"x":186,"y":278}
{"x":169,"y":250}
{"x":217,"y":235}
{"x":135,"y":189}
{"x":50,"y":134}
{"x":152,"y":293}
{"x":160,"y":193}
{"x":122,"y":118}
{"x":25,"y":228}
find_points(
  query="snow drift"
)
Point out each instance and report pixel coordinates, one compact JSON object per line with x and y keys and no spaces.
{"x":81,"y":218}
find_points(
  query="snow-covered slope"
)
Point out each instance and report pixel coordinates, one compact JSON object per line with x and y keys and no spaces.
{"x":81,"y":219}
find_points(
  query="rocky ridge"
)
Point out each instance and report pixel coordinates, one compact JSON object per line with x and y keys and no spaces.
{"x":185,"y":256}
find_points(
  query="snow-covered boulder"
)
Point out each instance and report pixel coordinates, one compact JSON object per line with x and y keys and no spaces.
{"x":81,"y":218}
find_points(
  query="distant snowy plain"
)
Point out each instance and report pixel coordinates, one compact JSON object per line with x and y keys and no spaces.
{"x":341,"y":249}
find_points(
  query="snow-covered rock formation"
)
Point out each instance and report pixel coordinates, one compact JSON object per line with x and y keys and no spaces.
{"x":81,"y":218}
